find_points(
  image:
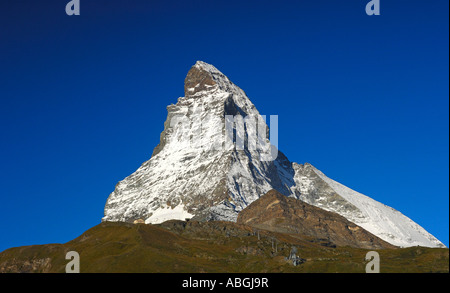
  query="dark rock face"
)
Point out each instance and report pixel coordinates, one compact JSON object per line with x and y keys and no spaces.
{"x":197,"y":80}
{"x":278,"y":213}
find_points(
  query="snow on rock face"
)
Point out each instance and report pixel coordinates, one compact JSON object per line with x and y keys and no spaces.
{"x":195,"y":173}
{"x":375,"y":217}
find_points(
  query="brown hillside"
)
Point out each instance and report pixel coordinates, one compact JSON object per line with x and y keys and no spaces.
{"x":278,"y":213}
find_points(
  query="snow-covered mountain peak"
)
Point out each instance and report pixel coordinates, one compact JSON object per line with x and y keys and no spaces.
{"x":193,"y":173}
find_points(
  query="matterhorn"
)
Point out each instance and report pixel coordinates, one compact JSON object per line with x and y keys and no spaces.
{"x":217,"y":154}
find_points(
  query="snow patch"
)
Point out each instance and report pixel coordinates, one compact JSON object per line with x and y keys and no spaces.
{"x":167,"y":213}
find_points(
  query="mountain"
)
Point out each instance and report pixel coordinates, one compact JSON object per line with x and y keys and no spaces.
{"x":278,"y":213}
{"x":193,"y":171}
{"x":205,"y":169}
{"x":379,"y":219}
{"x":208,"y":247}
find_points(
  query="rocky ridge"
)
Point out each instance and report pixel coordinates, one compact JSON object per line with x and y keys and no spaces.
{"x":278,"y":213}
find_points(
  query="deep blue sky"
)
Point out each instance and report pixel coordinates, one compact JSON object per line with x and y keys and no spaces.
{"x":83,"y":98}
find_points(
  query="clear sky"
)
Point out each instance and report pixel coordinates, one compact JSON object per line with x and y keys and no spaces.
{"x":83,"y":98}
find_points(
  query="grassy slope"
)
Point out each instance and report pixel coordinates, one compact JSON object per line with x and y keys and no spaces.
{"x":211,"y":247}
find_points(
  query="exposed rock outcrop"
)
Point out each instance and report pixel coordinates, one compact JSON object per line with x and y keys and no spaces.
{"x":278,"y":213}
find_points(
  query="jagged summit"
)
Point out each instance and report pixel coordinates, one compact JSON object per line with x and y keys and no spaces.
{"x":199,"y":78}
{"x":195,"y":173}
{"x":204,"y":77}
